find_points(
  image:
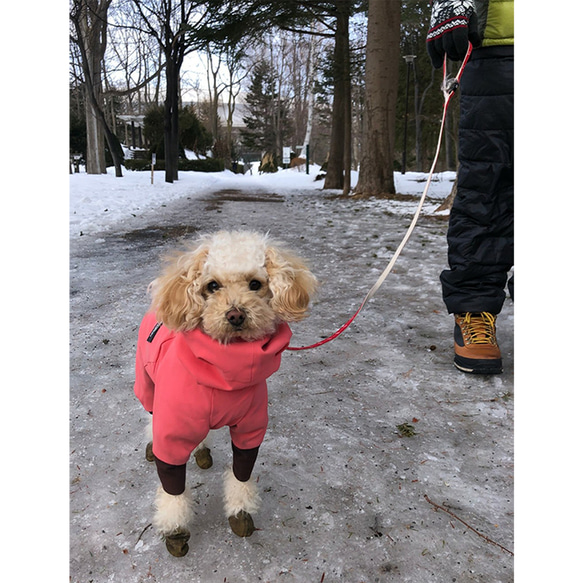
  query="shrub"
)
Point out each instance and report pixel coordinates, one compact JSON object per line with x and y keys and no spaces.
{"x":137,"y":164}
{"x":192,"y":134}
{"x":205,"y":165}
{"x":208,"y":165}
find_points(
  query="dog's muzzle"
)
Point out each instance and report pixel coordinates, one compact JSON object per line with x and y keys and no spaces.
{"x":235,"y":317}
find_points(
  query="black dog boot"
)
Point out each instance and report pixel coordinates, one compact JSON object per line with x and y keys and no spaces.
{"x":203,"y":458}
{"x":150,"y":452}
{"x":242,"y":524}
{"x":177,"y":543}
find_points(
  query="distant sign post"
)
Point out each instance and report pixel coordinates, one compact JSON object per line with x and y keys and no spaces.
{"x":286,"y":154}
{"x":76,"y":161}
{"x":153,"y":164}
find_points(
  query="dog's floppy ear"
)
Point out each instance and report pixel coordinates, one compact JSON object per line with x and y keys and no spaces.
{"x":176,"y":295}
{"x":291,"y":283}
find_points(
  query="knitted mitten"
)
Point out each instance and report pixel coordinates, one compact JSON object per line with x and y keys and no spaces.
{"x":452,"y":23}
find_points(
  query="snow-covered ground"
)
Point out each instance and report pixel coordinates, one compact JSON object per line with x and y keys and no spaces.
{"x":97,"y":202}
{"x":343,"y":493}
{"x":339,"y":504}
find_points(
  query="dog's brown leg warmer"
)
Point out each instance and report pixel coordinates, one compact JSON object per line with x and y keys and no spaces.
{"x":172,"y":478}
{"x":243,"y":462}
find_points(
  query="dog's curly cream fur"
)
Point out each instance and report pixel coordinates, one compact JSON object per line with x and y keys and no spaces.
{"x":237,"y":270}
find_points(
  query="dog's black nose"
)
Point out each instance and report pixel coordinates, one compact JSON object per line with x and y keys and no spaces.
{"x":235,"y":317}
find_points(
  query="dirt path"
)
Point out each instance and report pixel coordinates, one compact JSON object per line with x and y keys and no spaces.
{"x":344,"y":491}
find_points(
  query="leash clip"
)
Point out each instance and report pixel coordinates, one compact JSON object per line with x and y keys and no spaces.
{"x":451,"y":86}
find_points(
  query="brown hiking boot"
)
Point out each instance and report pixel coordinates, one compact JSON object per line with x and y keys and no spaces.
{"x":475,"y":346}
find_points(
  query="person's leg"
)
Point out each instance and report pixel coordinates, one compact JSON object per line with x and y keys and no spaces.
{"x":480,"y":235}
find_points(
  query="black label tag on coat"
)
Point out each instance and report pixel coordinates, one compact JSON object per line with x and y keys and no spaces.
{"x":154,"y":332}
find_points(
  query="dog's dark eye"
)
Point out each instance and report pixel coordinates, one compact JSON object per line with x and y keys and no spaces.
{"x":254,"y":285}
{"x":212,"y":287}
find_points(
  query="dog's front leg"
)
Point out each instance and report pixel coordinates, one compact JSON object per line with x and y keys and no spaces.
{"x":241,"y":496}
{"x":174,"y":508}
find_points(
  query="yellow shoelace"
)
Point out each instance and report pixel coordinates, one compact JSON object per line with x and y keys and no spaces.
{"x":479,"y":328}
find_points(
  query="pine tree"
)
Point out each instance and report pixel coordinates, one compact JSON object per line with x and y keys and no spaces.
{"x":267,"y":120}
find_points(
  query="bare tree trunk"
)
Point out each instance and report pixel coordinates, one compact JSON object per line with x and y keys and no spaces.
{"x":310,"y":91}
{"x":89,"y":18}
{"x":336,"y":160}
{"x":347,"y":162}
{"x":277,"y":113}
{"x":156,"y":97}
{"x":381,"y":80}
{"x":174,"y":46}
{"x":212,"y":83}
{"x":448,"y":202}
{"x":90,"y":22}
{"x":419,"y":151}
{"x":233,"y":91}
{"x":171,"y":145}
{"x":95,"y":155}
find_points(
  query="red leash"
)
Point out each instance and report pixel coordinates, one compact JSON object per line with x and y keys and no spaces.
{"x":330,"y":338}
{"x":449,"y":87}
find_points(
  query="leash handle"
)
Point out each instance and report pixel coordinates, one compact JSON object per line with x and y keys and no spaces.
{"x":449,"y":87}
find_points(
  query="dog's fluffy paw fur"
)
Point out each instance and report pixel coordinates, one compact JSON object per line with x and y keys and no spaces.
{"x":241,"y":500}
{"x":240,"y":496}
{"x":173,"y":513}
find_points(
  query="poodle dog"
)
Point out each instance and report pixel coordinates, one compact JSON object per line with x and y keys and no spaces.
{"x":215,"y":332}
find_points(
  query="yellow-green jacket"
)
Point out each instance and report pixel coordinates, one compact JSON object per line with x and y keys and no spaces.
{"x":496,"y":22}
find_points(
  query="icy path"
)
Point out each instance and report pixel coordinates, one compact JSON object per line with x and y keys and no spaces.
{"x":343,"y":493}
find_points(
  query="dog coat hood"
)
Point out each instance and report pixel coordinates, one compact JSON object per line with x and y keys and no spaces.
{"x":192,"y":383}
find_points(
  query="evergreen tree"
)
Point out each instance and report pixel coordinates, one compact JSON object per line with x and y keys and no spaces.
{"x":191,"y":133}
{"x":267,"y":120}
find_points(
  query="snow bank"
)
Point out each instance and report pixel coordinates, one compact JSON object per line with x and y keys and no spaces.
{"x":99,"y":201}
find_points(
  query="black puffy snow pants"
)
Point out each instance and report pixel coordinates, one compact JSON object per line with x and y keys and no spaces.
{"x":481,"y":225}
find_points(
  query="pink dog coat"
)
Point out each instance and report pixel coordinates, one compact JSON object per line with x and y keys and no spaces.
{"x":192,"y":383}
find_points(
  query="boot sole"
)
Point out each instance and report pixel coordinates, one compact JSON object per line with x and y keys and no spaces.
{"x":476,"y":366}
